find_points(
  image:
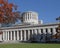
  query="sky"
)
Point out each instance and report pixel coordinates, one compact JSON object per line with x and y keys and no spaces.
{"x":48,"y":10}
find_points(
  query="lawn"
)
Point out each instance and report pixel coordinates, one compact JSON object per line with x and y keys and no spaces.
{"x":29,"y":45}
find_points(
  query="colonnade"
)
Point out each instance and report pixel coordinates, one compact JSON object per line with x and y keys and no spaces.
{"x":23,"y":35}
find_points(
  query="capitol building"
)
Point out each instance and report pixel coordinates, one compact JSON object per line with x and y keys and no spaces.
{"x":30,"y":29}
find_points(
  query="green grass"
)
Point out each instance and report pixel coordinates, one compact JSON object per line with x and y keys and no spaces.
{"x":29,"y":45}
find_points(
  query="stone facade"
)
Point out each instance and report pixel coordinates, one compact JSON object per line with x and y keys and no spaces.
{"x":28,"y":33}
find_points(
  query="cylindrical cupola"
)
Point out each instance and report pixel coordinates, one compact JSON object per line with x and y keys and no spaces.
{"x":30,"y":17}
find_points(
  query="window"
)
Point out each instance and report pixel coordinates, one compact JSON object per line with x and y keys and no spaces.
{"x":9,"y":35}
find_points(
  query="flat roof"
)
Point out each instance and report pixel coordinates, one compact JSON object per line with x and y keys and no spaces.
{"x":28,"y":26}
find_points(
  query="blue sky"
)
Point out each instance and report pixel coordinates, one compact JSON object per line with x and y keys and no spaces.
{"x":48,"y":10}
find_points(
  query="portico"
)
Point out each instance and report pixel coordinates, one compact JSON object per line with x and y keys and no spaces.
{"x":26,"y":33}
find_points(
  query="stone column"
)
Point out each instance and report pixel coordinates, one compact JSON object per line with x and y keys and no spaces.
{"x":17,"y":35}
{"x":35,"y":31}
{"x":8,"y":35}
{"x":24,"y":35}
{"x":28,"y":34}
{"x":44,"y":31}
{"x":49,"y":31}
{"x":11,"y":35}
{"x":32,"y":32}
{"x":14,"y":36}
{"x":39,"y":31}
{"x":3,"y":35}
{"x":54,"y":31}
{"x":21,"y":35}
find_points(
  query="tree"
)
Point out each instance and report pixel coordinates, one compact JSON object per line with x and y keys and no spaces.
{"x":57,"y":35}
{"x":6,"y":12}
{"x":58,"y":18}
{"x":58,"y":29}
